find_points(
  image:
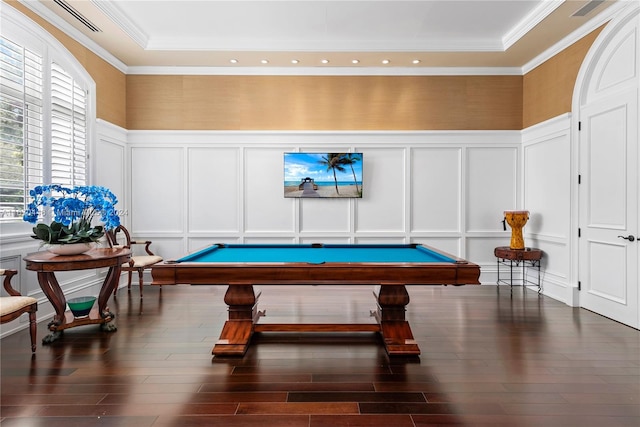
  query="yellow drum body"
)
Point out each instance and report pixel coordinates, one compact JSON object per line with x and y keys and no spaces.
{"x":516,"y":220}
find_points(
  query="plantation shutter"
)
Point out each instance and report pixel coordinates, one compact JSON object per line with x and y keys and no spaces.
{"x":68,"y":129}
{"x":21,"y":121}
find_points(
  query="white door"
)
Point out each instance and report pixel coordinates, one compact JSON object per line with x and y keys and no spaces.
{"x":608,"y":193}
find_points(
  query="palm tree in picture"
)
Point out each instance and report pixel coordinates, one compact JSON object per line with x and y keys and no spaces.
{"x":333,"y":162}
{"x":351,"y":159}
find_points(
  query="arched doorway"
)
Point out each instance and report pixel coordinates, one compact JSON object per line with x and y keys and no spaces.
{"x":606,"y":156}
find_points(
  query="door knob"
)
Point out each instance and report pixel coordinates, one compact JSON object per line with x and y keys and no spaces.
{"x":629,"y":238}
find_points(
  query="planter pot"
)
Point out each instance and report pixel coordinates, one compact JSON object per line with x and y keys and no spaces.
{"x":70,"y":249}
{"x":81,"y":306}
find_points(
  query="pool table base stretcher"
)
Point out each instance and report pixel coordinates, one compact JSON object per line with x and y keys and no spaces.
{"x":392,"y":299}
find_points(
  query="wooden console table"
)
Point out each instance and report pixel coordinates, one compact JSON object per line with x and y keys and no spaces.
{"x":527,"y":257}
{"x":46,"y":264}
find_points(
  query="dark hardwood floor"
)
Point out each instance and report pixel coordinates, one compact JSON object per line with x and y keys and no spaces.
{"x":487,"y":360}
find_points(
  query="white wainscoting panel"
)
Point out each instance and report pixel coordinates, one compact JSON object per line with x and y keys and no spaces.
{"x":265,"y":207}
{"x":197,"y":243}
{"x":380,"y":240}
{"x":326,"y":215}
{"x":214,"y":189}
{"x":436,"y":189}
{"x":168,"y":247}
{"x":546,"y":189}
{"x":384,"y":202}
{"x":450,"y":245}
{"x":555,"y":268}
{"x":158,"y":189}
{"x":480,"y":249}
{"x":547,"y":197}
{"x":325,"y":239}
{"x":111,"y":169}
{"x":268,"y":240}
{"x":493,"y":183}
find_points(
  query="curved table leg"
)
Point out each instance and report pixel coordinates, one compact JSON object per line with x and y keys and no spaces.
{"x":108,"y":287}
{"x":52,"y":290}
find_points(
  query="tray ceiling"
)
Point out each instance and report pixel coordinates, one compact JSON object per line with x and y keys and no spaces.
{"x":316,"y":33}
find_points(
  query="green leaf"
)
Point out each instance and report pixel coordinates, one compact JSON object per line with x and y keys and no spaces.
{"x":42,"y":232}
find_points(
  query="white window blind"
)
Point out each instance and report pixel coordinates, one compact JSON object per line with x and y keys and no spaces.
{"x":21,"y":126}
{"x":68,"y":129}
{"x":43,"y":126}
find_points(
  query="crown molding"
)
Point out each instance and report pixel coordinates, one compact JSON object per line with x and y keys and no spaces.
{"x":328,"y":71}
{"x":42,"y":11}
{"x":116,"y":15}
{"x":600,"y":19}
{"x":531,"y":20}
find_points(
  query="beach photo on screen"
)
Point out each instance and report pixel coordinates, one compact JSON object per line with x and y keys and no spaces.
{"x":323,"y":175}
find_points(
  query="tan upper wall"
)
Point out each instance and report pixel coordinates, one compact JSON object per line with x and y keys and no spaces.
{"x":548,"y":88}
{"x":324,"y":102}
{"x":329,"y":102}
{"x":110,"y":82}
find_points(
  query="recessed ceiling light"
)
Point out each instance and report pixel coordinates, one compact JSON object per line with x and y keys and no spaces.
{"x":355,"y":61}
{"x":385,"y":61}
{"x":233,"y":61}
{"x":325,"y":61}
{"x":265,"y":61}
{"x":416,"y":61}
{"x":294,"y":61}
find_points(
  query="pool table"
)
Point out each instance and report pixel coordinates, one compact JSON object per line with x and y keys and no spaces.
{"x":388,"y":267}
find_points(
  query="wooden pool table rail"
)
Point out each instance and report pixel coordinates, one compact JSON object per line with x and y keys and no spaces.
{"x":317,"y":274}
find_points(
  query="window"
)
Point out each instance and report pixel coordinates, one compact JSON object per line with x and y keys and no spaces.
{"x":21,"y":132}
{"x":43,"y":122}
{"x":68,"y":129}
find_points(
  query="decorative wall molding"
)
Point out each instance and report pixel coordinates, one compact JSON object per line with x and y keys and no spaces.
{"x":331,"y":138}
{"x":546,"y":195}
{"x":227,"y":186}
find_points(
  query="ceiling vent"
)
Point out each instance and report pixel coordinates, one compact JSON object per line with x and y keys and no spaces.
{"x":587,"y":8}
{"x":73,"y":12}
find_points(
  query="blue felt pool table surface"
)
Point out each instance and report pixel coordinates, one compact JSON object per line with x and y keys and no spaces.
{"x":316,"y":254}
{"x":316,"y":264}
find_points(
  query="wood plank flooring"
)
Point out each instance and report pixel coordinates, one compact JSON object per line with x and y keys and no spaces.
{"x":488,"y":359}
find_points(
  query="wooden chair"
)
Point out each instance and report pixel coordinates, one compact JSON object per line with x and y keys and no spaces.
{"x":13,"y":305}
{"x":138,"y":262}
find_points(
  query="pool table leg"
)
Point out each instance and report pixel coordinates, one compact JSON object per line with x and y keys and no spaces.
{"x":395,"y":330}
{"x":238,"y":329}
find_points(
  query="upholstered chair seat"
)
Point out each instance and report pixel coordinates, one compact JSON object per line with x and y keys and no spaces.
{"x":138,"y":262}
{"x":14,"y":305}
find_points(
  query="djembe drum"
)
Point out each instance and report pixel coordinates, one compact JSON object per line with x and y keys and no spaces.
{"x":516,"y":220}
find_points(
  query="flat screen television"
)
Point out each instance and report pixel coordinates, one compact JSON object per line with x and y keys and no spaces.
{"x":323,"y":175}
